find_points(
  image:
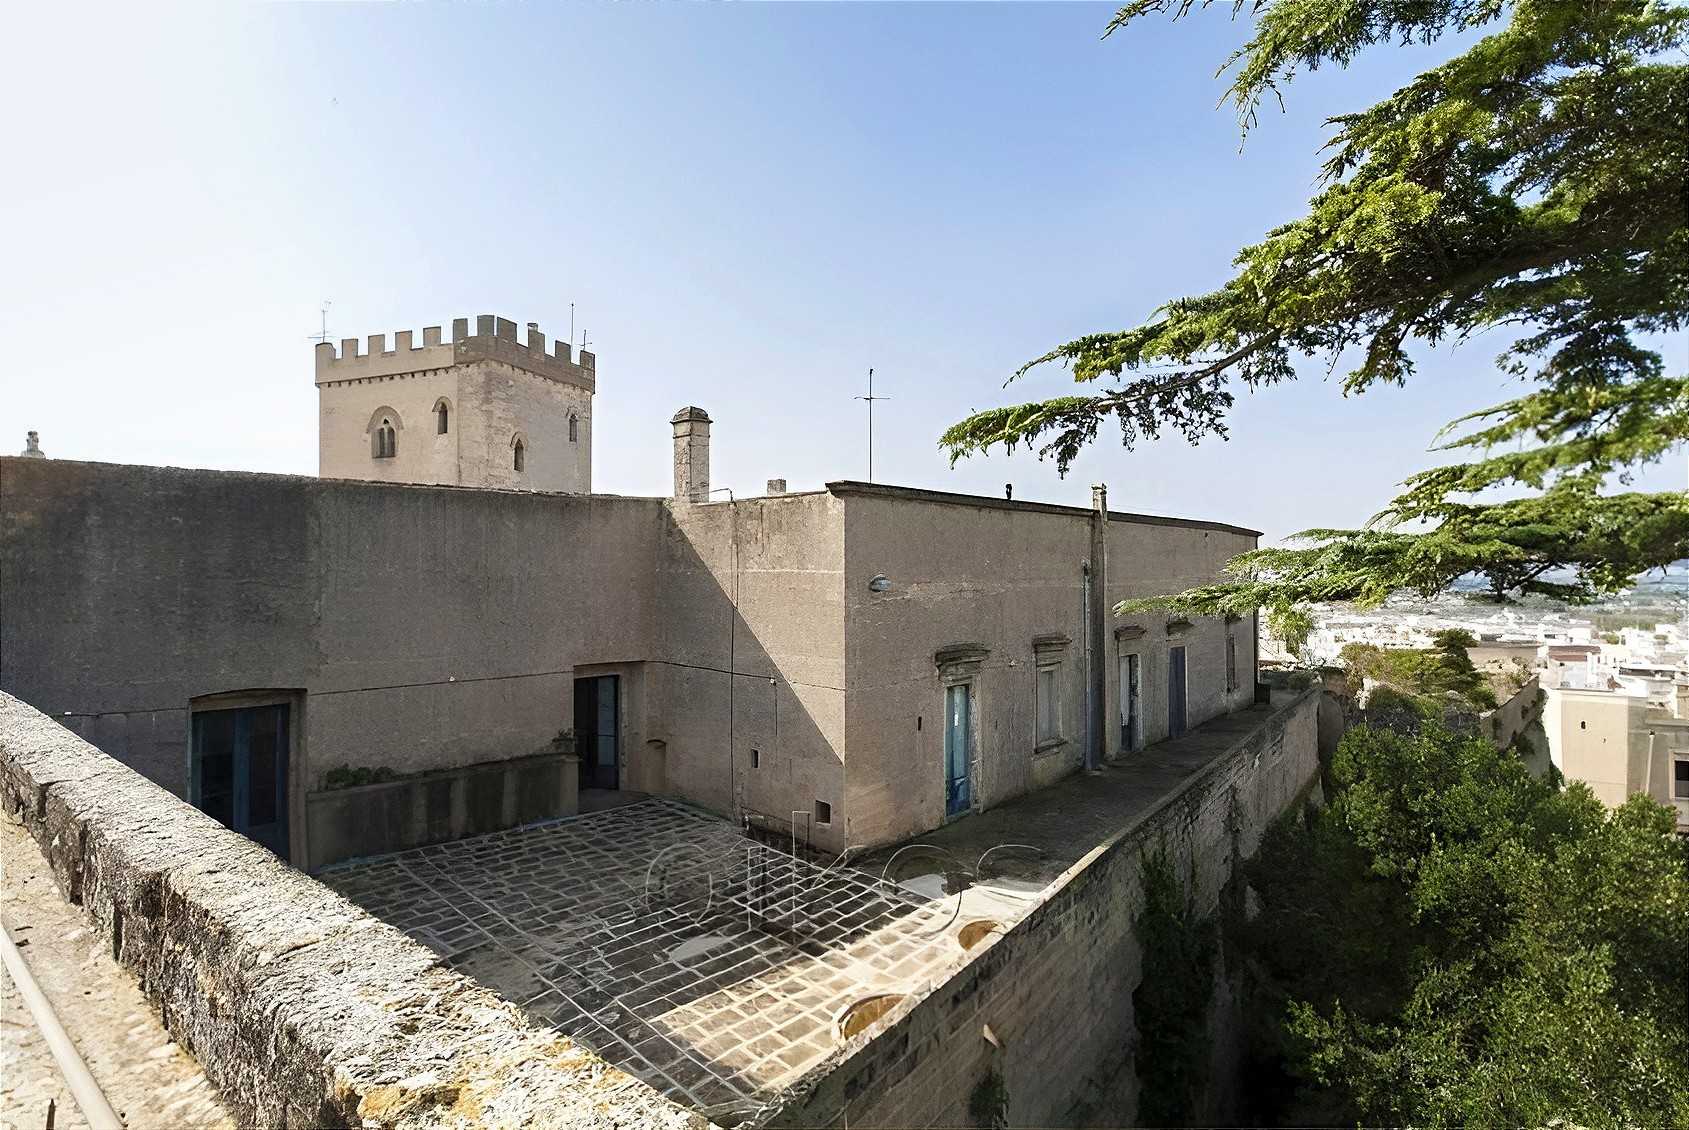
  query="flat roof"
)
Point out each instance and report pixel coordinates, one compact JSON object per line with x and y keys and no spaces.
{"x":841,"y":487}
{"x":991,"y":502}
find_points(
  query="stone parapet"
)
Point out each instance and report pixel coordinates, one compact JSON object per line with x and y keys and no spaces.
{"x":494,"y":339}
{"x":1045,"y":1005}
{"x":302,"y":1009}
{"x":441,"y":805}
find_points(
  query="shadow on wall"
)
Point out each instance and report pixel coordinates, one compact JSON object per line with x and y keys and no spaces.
{"x":425,"y":629}
{"x":752,"y":587}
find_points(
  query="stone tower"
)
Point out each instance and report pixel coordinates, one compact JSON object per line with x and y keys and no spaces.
{"x":481,"y":410}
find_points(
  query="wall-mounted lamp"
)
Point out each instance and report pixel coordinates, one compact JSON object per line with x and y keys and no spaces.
{"x":879,"y":583}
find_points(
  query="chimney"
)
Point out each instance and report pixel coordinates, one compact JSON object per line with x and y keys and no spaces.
{"x":776,"y":486}
{"x":691,"y":455}
{"x":32,"y":446}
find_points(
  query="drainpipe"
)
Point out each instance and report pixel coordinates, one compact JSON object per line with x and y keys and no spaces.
{"x":78,"y":1079}
{"x":1096,"y":626}
{"x":1648,"y":769}
{"x":1085,"y":651}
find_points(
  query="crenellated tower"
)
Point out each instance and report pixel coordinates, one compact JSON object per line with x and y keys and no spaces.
{"x":484,"y":409}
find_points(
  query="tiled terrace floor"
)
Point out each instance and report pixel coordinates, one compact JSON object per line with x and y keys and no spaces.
{"x":710,"y":966}
{"x":717,"y":969}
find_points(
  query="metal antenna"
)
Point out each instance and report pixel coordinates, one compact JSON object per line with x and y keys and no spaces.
{"x":870,"y":398}
{"x":571,"y":323}
{"x":323,"y":334}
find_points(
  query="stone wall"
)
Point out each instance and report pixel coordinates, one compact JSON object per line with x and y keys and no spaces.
{"x":416,"y":628}
{"x":423,"y":629}
{"x":1515,"y":717}
{"x":1056,"y":989}
{"x":432,"y":808}
{"x":302,"y":1009}
{"x":495,"y":387}
{"x":755,"y":588}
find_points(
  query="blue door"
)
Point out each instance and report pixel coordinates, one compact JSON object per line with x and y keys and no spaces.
{"x":1175,"y":691}
{"x":240,"y":771}
{"x":958,"y":744}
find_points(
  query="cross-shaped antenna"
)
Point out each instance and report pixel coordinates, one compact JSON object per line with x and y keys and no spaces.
{"x":322,"y":335}
{"x":870,"y":398}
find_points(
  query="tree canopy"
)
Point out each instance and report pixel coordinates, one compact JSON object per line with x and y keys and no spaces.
{"x":1536,"y":183}
{"x":1454,"y":942}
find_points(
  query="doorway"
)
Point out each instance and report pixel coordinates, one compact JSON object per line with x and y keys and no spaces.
{"x":598,"y":737}
{"x":1131,"y":703}
{"x":239,"y":772}
{"x":1175,"y":691}
{"x":958,"y":746}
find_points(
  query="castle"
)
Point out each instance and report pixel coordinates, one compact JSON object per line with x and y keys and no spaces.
{"x":480,"y":410}
{"x":447,"y":633}
{"x":852,"y":665}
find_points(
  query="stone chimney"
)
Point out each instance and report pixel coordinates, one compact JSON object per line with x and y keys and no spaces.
{"x":776,"y":486}
{"x":691,"y":455}
{"x":32,"y":447}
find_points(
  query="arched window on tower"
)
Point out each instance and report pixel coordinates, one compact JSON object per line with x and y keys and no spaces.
{"x":574,"y":427}
{"x":383,"y":431}
{"x":518,"y":450}
{"x":442,"y":418}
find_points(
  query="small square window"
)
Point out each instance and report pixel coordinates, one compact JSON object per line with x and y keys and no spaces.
{"x":823,"y":812}
{"x":1680,"y":780}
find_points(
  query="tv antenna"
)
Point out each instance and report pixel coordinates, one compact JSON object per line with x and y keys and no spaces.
{"x":322,"y":335}
{"x":870,"y":398}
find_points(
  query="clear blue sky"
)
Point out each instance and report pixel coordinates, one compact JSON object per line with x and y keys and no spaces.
{"x":749,"y":204}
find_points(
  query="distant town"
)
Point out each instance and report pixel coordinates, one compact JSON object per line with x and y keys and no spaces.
{"x":1608,"y":681}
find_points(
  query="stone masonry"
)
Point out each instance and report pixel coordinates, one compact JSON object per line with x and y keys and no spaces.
{"x":302,"y":1009}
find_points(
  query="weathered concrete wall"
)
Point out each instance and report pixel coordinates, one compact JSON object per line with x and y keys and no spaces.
{"x":421,"y":628}
{"x":777,"y":561}
{"x":1056,"y":989}
{"x":302,"y":1009}
{"x":425,"y":628}
{"x":1002,"y":575}
{"x":431,"y":808}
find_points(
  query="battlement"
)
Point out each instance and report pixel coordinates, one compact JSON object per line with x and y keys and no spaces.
{"x":494,"y":339}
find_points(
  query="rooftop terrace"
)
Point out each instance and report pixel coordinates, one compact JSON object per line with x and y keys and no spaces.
{"x":721,"y":970}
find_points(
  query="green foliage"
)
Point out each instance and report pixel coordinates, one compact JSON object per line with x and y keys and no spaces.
{"x":1170,"y":1003}
{"x":1429,"y":675}
{"x":1291,"y":626}
{"x":1516,"y":674}
{"x":346,"y":777}
{"x":1607,"y":539}
{"x":1535,"y":181}
{"x":1452,"y":941}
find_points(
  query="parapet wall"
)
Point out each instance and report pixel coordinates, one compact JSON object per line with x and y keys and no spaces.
{"x":302,"y":1009}
{"x":1056,"y":990}
{"x":494,"y":339}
